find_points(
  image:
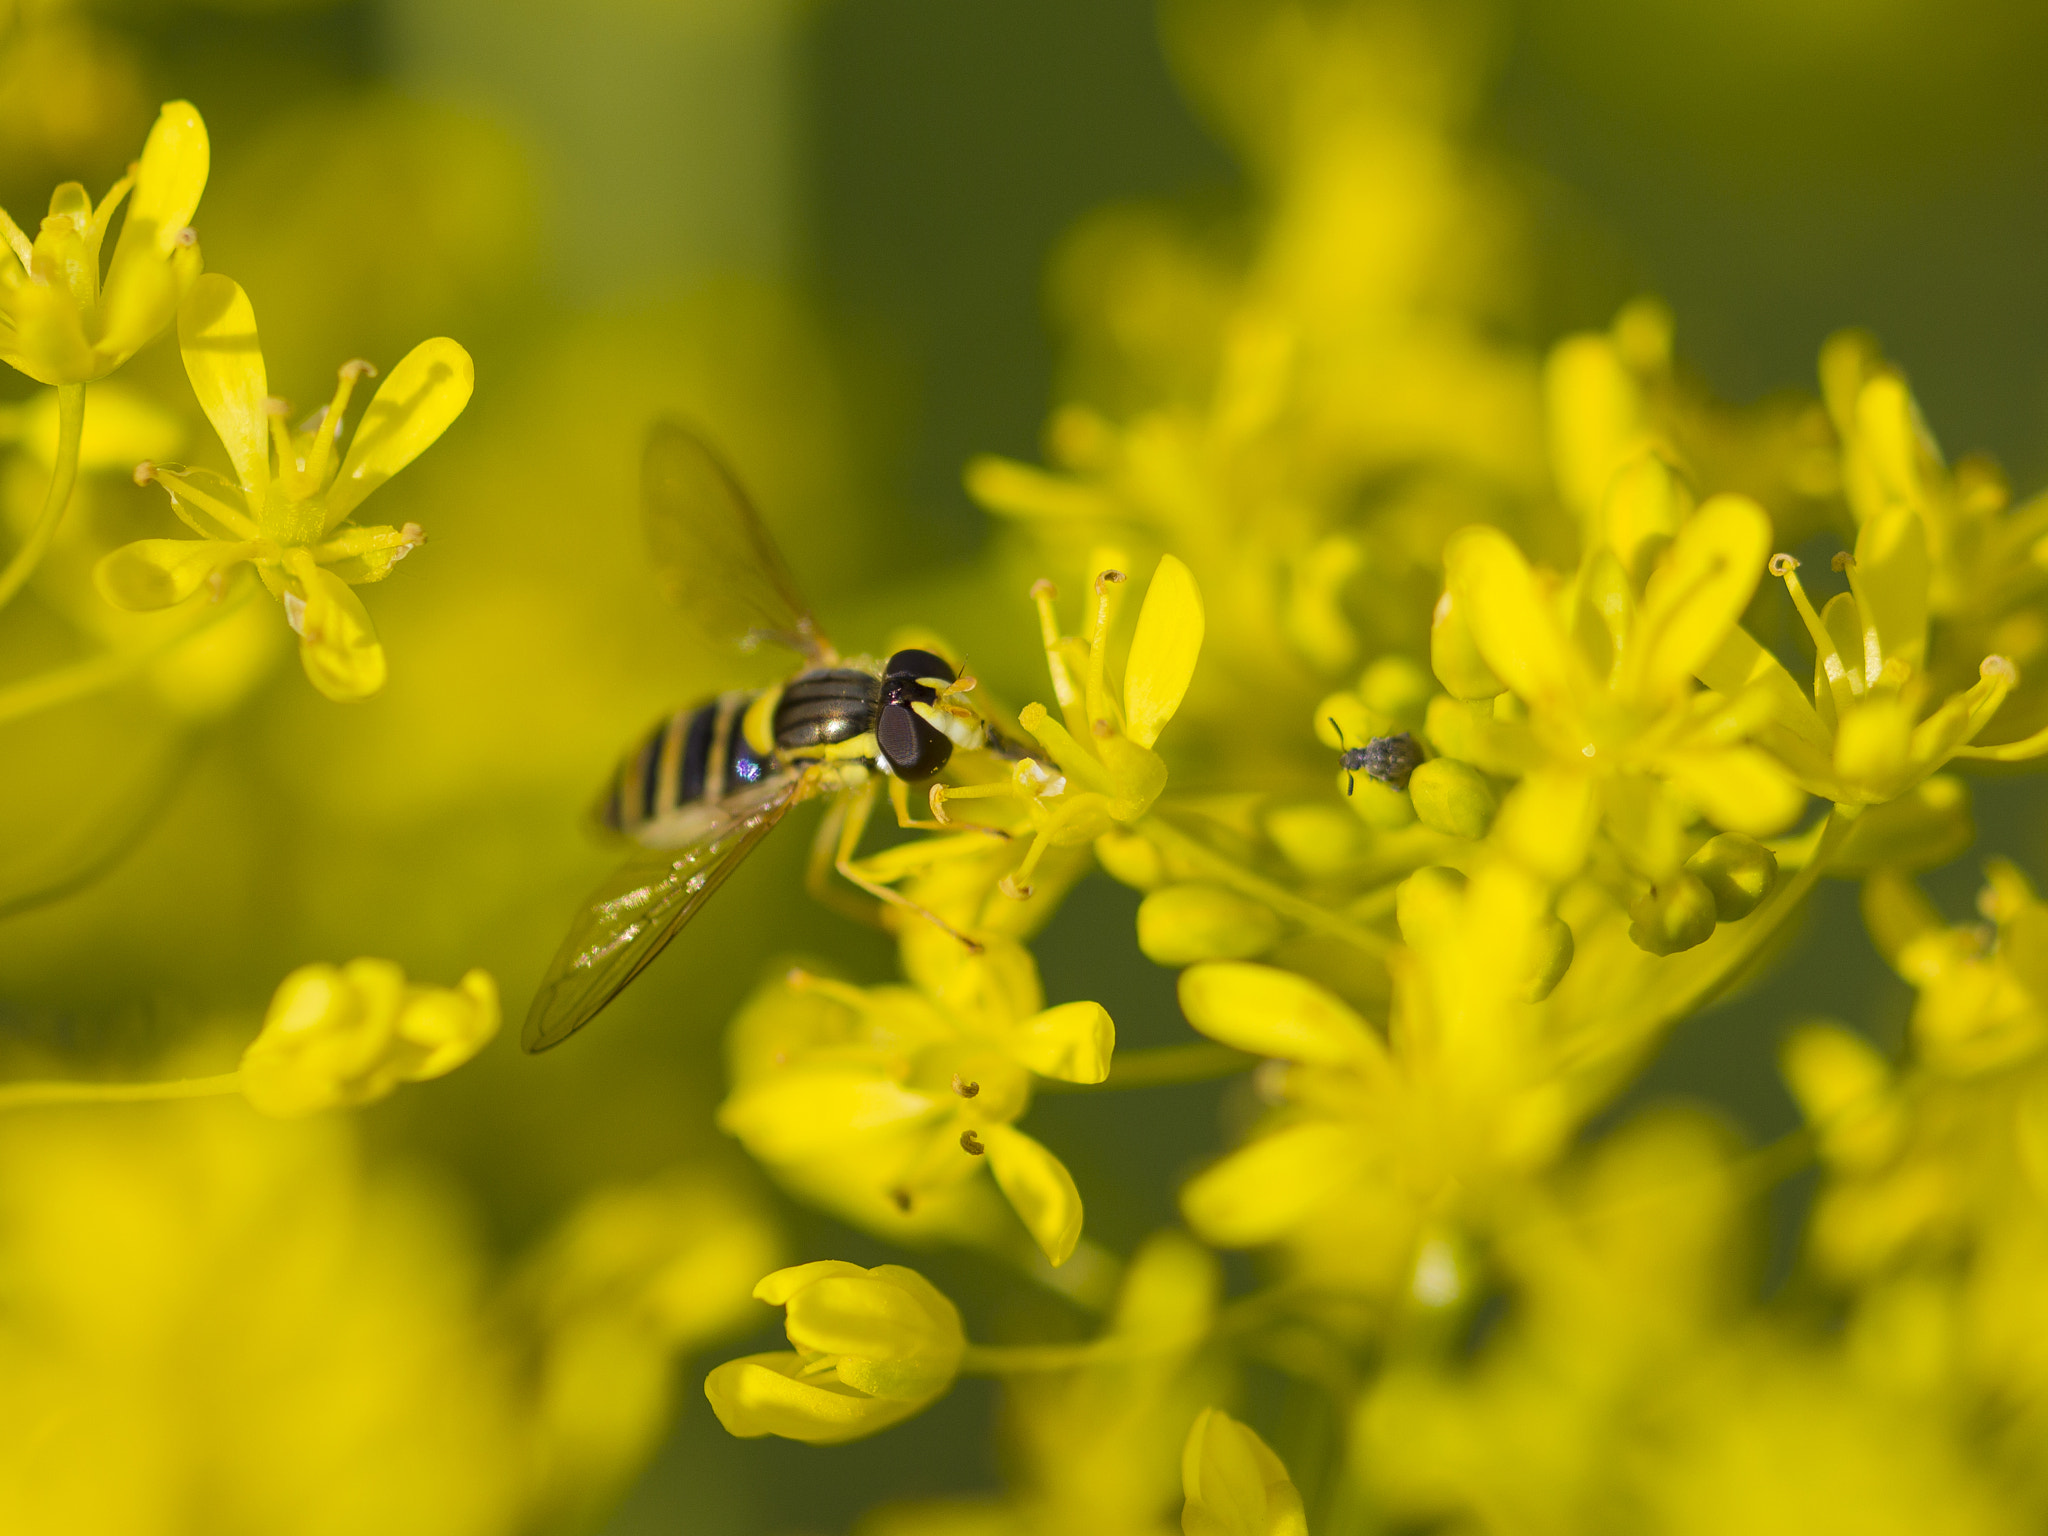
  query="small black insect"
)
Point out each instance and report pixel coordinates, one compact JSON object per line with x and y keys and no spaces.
{"x":1390,"y":759}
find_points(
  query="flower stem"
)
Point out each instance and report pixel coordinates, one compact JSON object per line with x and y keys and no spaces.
{"x":1025,"y":1359}
{"x":1162,"y":1066}
{"x":1176,"y":843}
{"x":61,"y":685}
{"x":35,"y":1095}
{"x":63,"y":476}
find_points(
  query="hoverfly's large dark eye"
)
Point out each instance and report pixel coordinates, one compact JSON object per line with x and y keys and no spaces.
{"x":900,"y":678}
{"x":909,"y":744}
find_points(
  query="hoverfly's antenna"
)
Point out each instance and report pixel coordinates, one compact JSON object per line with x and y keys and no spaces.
{"x":1350,"y":775}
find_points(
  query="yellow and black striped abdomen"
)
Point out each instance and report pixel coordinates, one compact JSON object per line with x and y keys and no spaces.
{"x":696,"y":756}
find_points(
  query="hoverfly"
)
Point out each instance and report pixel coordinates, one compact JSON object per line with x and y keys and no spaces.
{"x":708,"y":783}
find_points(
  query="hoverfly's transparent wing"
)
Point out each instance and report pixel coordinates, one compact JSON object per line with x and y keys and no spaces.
{"x":714,"y":557}
{"x":634,"y":913}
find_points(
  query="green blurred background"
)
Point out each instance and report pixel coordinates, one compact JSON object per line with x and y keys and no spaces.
{"x":825,"y":229}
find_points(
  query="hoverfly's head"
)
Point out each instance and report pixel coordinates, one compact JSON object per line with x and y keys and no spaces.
{"x":910,"y":744}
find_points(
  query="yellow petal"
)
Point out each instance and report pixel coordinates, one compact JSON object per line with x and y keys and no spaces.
{"x":1738,"y":788}
{"x":1454,"y":655}
{"x":170,"y":177}
{"x":1073,"y":1042}
{"x":791,"y":1115}
{"x":217,"y":335}
{"x":1595,"y":414}
{"x":1548,"y":821}
{"x":337,"y":645}
{"x":1163,"y":651}
{"x":1873,"y":745}
{"x":1513,"y":620}
{"x":155,"y":573}
{"x":1271,"y":1012}
{"x":1234,"y":1484}
{"x":1039,"y":1187}
{"x":1183,"y":924}
{"x":1891,"y":576}
{"x":1697,"y":593}
{"x":762,"y":1395}
{"x":450,"y":1024}
{"x":413,"y":407}
{"x":777,"y":1288}
{"x":1262,"y":1191}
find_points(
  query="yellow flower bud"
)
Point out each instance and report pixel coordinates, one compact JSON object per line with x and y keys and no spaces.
{"x":1454,"y":654}
{"x":1264,"y":1190}
{"x":1186,"y":923}
{"x":155,"y":573}
{"x":1130,"y":859}
{"x":1738,"y":871}
{"x":1673,"y":915}
{"x":1235,"y":1485}
{"x":350,"y":1034}
{"x":1271,"y":1012}
{"x":873,"y":1347}
{"x":1450,"y":796}
{"x":1397,"y":688}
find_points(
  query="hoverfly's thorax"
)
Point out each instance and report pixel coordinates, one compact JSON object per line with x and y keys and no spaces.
{"x":825,"y":706}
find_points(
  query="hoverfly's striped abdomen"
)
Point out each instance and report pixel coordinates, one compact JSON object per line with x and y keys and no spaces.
{"x":694,"y":756}
{"x":830,"y":704}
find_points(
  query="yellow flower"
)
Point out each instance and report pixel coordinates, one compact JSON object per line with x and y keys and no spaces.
{"x":873,"y":1347}
{"x":1108,"y":775}
{"x":1611,"y":731}
{"x":1234,"y":1484}
{"x":1868,"y":736}
{"x":892,"y":1096}
{"x":350,"y":1034}
{"x":58,"y":322}
{"x":291,"y":520}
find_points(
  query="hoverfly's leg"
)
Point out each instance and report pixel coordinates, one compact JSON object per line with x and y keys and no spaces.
{"x":818,"y":870}
{"x":861,"y":807}
{"x":942,"y":794}
{"x":899,"y":798}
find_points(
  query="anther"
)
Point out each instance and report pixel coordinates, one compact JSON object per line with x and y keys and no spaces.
{"x":413,"y":533}
{"x":796,"y":978}
{"x":358,"y":368}
{"x":1044,"y":588}
{"x":1111,"y":577}
{"x":274,"y":406}
{"x":1102,"y":728}
{"x":2000,"y":668}
{"x":145,"y":472}
{"x":187,"y":237}
{"x":969,"y":1144}
{"x":966,"y":1090}
{"x":1843,"y":561}
{"x":1783,"y":565}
